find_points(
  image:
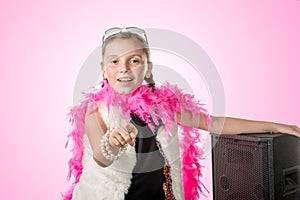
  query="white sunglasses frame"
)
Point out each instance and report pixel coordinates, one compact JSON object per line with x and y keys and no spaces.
{"x":115,"y":30}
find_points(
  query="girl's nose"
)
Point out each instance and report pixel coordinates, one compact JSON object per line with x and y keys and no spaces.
{"x":124,"y":67}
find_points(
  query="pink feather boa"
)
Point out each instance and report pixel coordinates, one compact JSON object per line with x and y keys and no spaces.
{"x":162,"y":104}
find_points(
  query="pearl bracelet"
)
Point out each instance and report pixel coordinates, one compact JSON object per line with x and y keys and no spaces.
{"x":106,"y":149}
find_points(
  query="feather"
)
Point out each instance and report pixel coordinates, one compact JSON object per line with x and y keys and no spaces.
{"x":150,"y":106}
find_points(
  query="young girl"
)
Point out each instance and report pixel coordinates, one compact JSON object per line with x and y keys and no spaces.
{"x":135,"y":141}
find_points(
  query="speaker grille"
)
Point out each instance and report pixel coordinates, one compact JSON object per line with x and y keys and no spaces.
{"x":241,"y":172}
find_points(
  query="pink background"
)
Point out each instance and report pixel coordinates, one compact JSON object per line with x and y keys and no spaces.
{"x":254,"y":45}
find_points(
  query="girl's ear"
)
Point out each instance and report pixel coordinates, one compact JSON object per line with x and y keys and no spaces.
{"x":149,"y":70}
{"x":103,"y":71}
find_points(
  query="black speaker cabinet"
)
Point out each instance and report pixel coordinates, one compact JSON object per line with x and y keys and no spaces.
{"x":256,"y":167}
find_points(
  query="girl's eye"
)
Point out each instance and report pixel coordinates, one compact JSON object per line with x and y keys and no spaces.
{"x":114,"y":61}
{"x":134,"y":61}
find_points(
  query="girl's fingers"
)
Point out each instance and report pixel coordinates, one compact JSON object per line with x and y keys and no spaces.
{"x":132,"y":130}
{"x":115,"y":142}
{"x":120,"y":139}
{"x":296,"y":130}
{"x":290,"y":129}
{"x":115,"y":139}
{"x":125,"y":135}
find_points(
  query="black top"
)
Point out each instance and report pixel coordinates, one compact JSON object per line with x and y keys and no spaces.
{"x":147,"y":177}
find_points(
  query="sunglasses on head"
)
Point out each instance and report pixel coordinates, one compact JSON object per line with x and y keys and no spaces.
{"x":115,"y":30}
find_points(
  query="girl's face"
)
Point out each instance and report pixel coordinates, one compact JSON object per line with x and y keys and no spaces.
{"x":125,"y":65}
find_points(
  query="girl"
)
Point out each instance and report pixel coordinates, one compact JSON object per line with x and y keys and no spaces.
{"x":126,"y":135}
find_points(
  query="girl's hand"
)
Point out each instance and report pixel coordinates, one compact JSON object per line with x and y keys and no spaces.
{"x":289,"y":129}
{"x":123,"y":134}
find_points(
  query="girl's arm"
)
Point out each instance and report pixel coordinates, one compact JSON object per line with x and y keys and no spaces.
{"x":95,"y":128}
{"x":230,"y":125}
{"x":237,"y":125}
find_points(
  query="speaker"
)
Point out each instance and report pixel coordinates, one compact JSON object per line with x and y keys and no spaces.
{"x":259,"y":166}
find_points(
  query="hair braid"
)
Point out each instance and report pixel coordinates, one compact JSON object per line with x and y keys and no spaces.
{"x":150,"y":82}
